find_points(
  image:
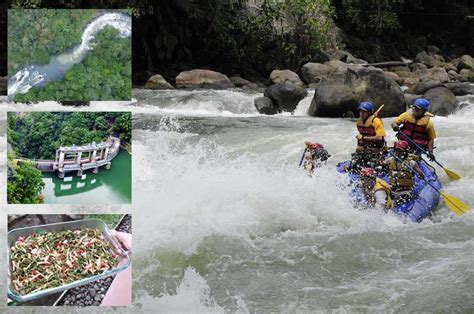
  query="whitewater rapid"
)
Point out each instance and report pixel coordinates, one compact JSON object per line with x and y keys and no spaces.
{"x":38,"y":75}
{"x":224,"y":221}
{"x":239,"y":228}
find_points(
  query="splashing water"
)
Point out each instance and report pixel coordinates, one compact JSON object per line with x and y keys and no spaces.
{"x":226,"y":222}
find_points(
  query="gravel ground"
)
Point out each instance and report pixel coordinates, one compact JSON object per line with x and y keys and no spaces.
{"x":94,"y":292}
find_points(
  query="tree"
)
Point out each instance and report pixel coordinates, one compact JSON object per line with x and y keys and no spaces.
{"x":25,"y":185}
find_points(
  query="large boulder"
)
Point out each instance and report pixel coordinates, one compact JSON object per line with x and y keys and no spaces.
{"x":410,"y":98}
{"x":442,"y":101}
{"x":466,"y":75}
{"x":265,"y":105}
{"x":433,"y":74}
{"x":394,"y":76}
{"x":379,"y":89}
{"x":417,"y":66}
{"x":286,"y":76}
{"x":337,"y":66}
{"x":466,"y":62}
{"x":422,"y":87}
{"x":340,"y":93}
{"x":285,"y":96}
{"x":449,"y":67}
{"x":334,"y":97}
{"x":158,"y":82}
{"x":315,"y":72}
{"x":408,"y":78}
{"x":243,"y":83}
{"x":454,"y":76}
{"x":199,"y":78}
{"x":460,"y":89}
{"x":429,"y":60}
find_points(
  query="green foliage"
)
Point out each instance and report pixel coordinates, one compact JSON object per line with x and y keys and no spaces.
{"x":25,"y":184}
{"x":35,"y":35}
{"x":37,"y":135}
{"x":279,"y":33}
{"x":123,"y":126}
{"x":105,"y":74}
{"x":372,"y":17}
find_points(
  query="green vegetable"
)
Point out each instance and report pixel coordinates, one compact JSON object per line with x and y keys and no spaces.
{"x":42,"y":261}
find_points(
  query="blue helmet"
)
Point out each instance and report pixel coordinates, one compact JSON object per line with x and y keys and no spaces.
{"x":366,"y":106}
{"x":422,"y":103}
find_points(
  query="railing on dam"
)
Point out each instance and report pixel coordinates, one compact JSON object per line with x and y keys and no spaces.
{"x":79,"y":157}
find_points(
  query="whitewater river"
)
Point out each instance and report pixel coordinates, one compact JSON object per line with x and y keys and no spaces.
{"x":225,"y":221}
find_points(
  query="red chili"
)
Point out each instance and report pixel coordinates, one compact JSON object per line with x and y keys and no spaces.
{"x":34,"y":272}
{"x":58,"y":244}
{"x":89,"y":244}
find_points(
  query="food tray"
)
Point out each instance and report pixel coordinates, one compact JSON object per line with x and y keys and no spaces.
{"x":13,"y":235}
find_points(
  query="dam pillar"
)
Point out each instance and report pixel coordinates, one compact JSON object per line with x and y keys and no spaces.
{"x":95,"y":170}
{"x":78,"y":158}
{"x":93,"y":155}
{"x":79,"y":173}
{"x":106,"y":155}
{"x":61,"y":160}
{"x":108,"y":165}
{"x":61,"y":174}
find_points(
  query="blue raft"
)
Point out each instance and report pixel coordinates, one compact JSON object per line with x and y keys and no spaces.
{"x":426,"y":198}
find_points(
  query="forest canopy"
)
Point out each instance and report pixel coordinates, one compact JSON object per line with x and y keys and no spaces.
{"x":35,"y":36}
{"x":252,"y":38}
{"x":24,"y":182}
{"x":37,"y":135}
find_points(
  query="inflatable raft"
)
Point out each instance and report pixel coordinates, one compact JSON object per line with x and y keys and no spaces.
{"x":418,"y":208}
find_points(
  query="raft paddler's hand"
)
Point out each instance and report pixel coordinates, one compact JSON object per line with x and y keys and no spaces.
{"x":359,"y":137}
{"x":431,"y":157}
{"x":308,"y":143}
{"x":396,"y":128}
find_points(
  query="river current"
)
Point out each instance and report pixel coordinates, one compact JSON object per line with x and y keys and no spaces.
{"x":225,"y":221}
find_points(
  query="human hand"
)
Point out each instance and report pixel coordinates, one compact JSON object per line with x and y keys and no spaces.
{"x":431,"y":157}
{"x":123,"y":238}
{"x":359,"y":137}
{"x":396,"y":128}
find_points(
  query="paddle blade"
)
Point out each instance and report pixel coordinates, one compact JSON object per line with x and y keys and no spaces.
{"x":451,"y":174}
{"x":455,"y":204}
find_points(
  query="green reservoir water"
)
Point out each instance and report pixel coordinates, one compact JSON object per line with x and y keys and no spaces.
{"x":112,"y":186}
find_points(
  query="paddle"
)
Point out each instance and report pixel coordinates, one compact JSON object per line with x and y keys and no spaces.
{"x":455,"y":204}
{"x":378,"y":110}
{"x":451,"y":174}
{"x":302,"y":157}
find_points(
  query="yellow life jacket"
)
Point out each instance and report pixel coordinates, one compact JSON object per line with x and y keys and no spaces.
{"x":401,"y":176}
{"x":367,"y":129}
{"x":416,"y":128}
